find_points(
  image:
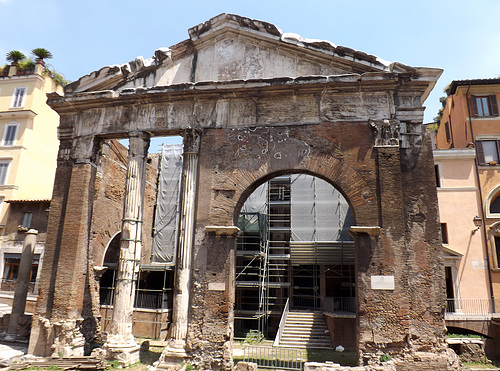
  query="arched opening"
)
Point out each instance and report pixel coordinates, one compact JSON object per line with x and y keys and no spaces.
{"x":294,"y":253}
{"x":107,"y":281}
{"x":153,"y":290}
{"x":495,"y":205}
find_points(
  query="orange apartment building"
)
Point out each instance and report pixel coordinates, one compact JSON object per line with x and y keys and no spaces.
{"x":467,"y":162}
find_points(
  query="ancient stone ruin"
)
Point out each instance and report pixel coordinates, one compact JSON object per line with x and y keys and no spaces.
{"x":251,"y":103}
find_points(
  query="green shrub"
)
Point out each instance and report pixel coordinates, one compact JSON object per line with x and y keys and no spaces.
{"x":254,"y":337}
{"x":385,"y":358}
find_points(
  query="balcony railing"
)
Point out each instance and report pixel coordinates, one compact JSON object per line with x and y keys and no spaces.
{"x":9,"y":285}
{"x":144,"y":298}
{"x":472,"y":308}
{"x":340,"y":305}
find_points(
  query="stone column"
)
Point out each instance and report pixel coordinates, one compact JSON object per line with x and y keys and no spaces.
{"x":120,"y":344}
{"x":23,"y":278}
{"x":178,"y":332}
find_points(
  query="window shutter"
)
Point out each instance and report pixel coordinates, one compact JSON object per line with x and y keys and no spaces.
{"x":494,"y":105}
{"x":474,"y":104}
{"x":480,"y":152}
{"x":447,"y":130}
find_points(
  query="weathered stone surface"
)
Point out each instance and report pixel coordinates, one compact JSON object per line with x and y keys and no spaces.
{"x":264,"y":104}
{"x":246,"y":366}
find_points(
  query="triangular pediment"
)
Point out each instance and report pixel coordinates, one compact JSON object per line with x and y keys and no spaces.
{"x":239,"y":39}
{"x":230,"y":47}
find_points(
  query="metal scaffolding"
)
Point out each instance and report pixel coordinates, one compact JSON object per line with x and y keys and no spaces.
{"x":294,"y":241}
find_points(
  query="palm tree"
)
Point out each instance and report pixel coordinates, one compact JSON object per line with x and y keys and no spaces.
{"x":15,"y":56}
{"x":41,"y":53}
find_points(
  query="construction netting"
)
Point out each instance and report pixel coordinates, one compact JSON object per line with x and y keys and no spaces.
{"x":167,"y":213}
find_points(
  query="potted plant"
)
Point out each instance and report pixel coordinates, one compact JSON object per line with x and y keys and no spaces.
{"x":41,"y":54}
{"x":4,"y":70}
{"x":22,"y":228}
{"x":25,"y":67}
{"x":14,"y":57}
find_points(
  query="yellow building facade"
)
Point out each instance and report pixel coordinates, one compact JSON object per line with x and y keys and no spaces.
{"x":28,"y":153}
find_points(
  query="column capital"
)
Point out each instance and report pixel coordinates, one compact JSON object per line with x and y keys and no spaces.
{"x":138,"y":143}
{"x":85,"y":150}
{"x":192,"y":140}
{"x":386,"y":132}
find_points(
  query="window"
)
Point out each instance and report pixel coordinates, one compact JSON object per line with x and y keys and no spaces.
{"x":485,"y":105}
{"x":18,"y":97}
{"x":447,"y":130}
{"x":444,"y":233}
{"x":497,"y":251}
{"x":437,"y":175}
{"x":495,"y":206}
{"x":11,"y":269}
{"x":26,"y":221}
{"x":487,"y":151}
{"x":9,"y":135}
{"x":4,"y":171}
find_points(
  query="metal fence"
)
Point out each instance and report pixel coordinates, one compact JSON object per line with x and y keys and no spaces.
{"x":144,"y":298}
{"x":274,"y":358}
{"x":10,"y":285}
{"x":472,"y":307}
{"x":339,"y":304}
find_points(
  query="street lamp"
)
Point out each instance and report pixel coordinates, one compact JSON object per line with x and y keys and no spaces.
{"x":477,"y":222}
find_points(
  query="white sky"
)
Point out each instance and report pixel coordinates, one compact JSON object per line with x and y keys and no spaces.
{"x":461,"y":36}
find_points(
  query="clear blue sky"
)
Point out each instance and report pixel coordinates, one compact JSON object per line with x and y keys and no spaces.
{"x":461,"y":36}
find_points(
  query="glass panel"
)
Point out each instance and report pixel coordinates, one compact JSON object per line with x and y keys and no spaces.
{"x":479,"y":107}
{"x":490,"y":150}
{"x":6,"y":273}
{"x":495,"y":206}
{"x":486,"y":110}
{"x":10,"y":135}
{"x":26,"y":222}
{"x":497,"y":248}
{"x":3,"y":172}
{"x":18,"y":97}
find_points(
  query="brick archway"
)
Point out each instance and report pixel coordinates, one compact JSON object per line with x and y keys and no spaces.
{"x":345,"y":116}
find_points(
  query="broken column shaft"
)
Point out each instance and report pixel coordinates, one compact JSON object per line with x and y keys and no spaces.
{"x":22,"y":282}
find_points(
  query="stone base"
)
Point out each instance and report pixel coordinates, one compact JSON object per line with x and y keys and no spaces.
{"x":10,"y":337}
{"x":425,"y":361}
{"x":173,"y":355}
{"x":123,"y":349}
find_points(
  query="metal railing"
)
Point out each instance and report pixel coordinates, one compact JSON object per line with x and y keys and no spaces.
{"x":144,"y":298}
{"x":333,"y":304}
{"x":274,"y":358}
{"x":282,"y":323}
{"x":11,"y":286}
{"x":472,"y":307}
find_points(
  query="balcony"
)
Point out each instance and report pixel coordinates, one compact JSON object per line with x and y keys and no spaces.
{"x":472,"y":309}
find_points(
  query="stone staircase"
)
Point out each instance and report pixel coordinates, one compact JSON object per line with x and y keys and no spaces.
{"x":305,"y":329}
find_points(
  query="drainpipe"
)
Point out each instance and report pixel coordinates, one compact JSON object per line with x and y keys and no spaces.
{"x":484,"y":231}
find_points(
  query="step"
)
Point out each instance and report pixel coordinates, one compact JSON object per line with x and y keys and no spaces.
{"x":308,"y":333}
{"x":305,"y":329}
{"x":321,"y":335}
